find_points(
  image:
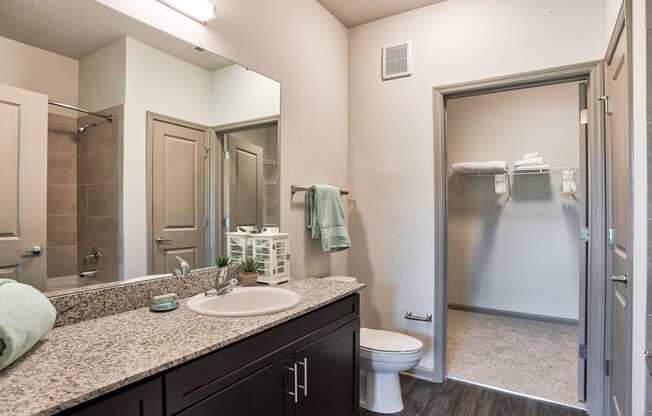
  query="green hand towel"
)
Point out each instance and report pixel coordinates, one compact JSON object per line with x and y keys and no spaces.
{"x":26,"y":316}
{"x":325,"y":217}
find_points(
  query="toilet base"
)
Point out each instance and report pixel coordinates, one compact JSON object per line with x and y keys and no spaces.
{"x":380,"y":392}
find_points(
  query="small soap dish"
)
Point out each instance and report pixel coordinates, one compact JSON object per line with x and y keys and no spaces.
{"x":163,"y":303}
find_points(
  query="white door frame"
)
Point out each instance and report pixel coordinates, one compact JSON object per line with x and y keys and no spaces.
{"x":593,"y":73}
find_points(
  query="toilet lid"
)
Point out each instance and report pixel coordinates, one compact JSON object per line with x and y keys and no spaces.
{"x":374,"y":339}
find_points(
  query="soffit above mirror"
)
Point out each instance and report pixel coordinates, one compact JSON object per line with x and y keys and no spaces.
{"x":56,"y":26}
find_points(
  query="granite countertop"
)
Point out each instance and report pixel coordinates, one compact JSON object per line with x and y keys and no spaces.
{"x":81,"y":361}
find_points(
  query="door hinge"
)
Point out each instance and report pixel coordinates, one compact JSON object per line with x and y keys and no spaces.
{"x":611,"y":237}
{"x":582,"y":351}
{"x":226,"y":223}
{"x":608,"y":103}
{"x":207,"y":151}
{"x":226,"y":155}
{"x":584,"y":116}
{"x":206,"y":224}
{"x":585,"y":234}
{"x":607,"y":367}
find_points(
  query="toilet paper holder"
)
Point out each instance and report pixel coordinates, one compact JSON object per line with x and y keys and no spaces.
{"x":412,"y":317}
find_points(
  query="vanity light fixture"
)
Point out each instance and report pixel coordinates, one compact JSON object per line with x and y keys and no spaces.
{"x":198,"y":10}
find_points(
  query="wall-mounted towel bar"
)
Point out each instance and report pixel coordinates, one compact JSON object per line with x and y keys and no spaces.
{"x":411,"y":317}
{"x":294,"y":189}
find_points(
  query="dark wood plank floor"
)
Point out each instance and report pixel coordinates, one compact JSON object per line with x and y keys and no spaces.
{"x":454,"y":398}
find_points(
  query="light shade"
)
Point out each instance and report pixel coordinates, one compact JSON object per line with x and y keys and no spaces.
{"x":199,"y":10}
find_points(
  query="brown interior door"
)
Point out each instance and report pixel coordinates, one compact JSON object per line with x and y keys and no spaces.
{"x":177,"y":195}
{"x":245,"y":182}
{"x":23,"y":185}
{"x":619,"y":213}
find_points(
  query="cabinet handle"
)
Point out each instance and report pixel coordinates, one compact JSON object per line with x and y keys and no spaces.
{"x":304,"y":364}
{"x":294,"y":393}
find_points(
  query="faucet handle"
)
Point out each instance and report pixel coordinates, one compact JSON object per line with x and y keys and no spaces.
{"x":183,"y":265}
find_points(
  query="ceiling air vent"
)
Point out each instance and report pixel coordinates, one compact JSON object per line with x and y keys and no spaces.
{"x":397,"y":61}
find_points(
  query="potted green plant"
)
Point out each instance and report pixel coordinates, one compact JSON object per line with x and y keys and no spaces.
{"x":249,"y":271}
{"x":222,"y":263}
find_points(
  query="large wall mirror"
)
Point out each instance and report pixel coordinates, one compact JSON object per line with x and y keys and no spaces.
{"x":123,"y":148}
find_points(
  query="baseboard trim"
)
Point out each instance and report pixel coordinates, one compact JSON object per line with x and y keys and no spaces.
{"x":517,"y":315}
{"x":422,"y":373}
{"x":515,"y":393}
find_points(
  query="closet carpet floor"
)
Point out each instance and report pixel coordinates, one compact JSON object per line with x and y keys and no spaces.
{"x":528,"y":357}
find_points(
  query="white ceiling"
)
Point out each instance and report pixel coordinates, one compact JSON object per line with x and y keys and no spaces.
{"x":356,"y":12}
{"x":76,"y":28}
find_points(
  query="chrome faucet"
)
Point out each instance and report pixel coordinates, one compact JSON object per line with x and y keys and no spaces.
{"x":222,"y":285}
{"x":184,"y":268}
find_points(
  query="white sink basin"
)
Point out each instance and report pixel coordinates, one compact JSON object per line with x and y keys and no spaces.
{"x":245,"y":301}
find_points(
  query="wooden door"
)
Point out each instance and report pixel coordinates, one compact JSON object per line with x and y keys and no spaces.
{"x":265,"y":392}
{"x":178,"y":212}
{"x":23,"y":185}
{"x":619,"y":214}
{"x":245,"y":182}
{"x":329,"y":372}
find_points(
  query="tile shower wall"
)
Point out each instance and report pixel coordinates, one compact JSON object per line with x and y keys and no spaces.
{"x":99,"y":172}
{"x":62,"y":199}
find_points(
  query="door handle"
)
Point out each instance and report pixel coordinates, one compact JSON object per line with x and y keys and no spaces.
{"x":304,"y":364}
{"x":160,"y":240}
{"x":34,"y":251}
{"x":619,"y":279}
{"x":295,"y":392}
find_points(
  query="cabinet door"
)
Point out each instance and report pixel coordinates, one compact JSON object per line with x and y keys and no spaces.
{"x":143,"y":400}
{"x":266,"y":392}
{"x":329,"y":371}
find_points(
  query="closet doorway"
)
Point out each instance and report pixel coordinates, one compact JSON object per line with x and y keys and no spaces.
{"x":517,"y":273}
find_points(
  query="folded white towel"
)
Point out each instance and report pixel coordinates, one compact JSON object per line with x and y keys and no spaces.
{"x":529,"y":161}
{"x":532,"y":168}
{"x":530,"y":155}
{"x":493,"y":166}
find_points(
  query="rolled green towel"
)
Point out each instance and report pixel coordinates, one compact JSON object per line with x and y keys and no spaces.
{"x":26,"y":316}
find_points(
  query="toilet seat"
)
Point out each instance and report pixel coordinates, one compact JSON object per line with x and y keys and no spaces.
{"x":388,"y":343}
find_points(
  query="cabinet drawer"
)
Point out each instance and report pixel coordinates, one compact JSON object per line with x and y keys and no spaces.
{"x":205,"y":376}
{"x":143,"y":400}
{"x":266,"y":392}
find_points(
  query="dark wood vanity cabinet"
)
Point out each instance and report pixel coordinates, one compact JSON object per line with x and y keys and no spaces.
{"x":141,"y":400}
{"x":308,"y":366}
{"x":328,"y":372}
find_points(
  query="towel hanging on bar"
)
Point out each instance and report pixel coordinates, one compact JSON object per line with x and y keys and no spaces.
{"x":500,"y":184}
{"x":568,"y":185}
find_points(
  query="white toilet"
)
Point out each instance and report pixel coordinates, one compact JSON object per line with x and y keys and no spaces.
{"x":383,"y":355}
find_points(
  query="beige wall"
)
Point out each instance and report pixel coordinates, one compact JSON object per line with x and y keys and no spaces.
{"x":102,"y":77}
{"x":242,"y":95}
{"x":34,"y":69}
{"x":391,"y":129}
{"x":299,"y":44}
{"x":520,"y":255}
